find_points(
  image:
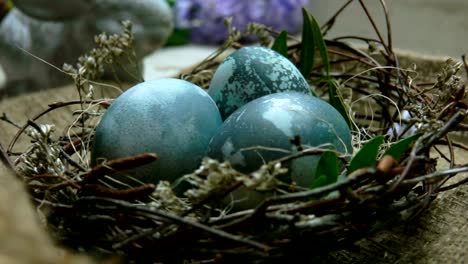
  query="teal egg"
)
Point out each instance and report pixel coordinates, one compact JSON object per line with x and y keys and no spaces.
{"x":261,"y":130}
{"x":171,"y":117}
{"x":252,"y":72}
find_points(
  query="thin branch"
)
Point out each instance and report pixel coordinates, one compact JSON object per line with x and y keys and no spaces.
{"x":120,"y":164}
{"x":453,"y":186}
{"x":329,"y":24}
{"x":5,"y":118}
{"x":389,"y":27}
{"x":465,"y":64}
{"x":359,"y":176}
{"x":51,"y":108}
{"x":183,"y":221}
{"x":425,"y":142}
{"x":376,"y":29}
{"x":6,"y":160}
{"x":435,"y":175}
{"x":456,"y":119}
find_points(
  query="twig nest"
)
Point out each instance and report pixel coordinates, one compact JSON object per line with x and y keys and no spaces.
{"x":171,"y":117}
{"x":250,"y":73}
{"x":261,"y":131}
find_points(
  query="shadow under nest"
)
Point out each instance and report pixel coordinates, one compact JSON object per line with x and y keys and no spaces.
{"x":148,"y":223}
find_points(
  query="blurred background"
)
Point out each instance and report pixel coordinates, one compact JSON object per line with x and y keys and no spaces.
{"x":429,"y":27}
{"x":436,"y":27}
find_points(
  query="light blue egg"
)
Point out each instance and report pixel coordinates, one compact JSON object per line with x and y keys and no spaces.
{"x":171,"y":117}
{"x":261,"y":130}
{"x":252,"y":72}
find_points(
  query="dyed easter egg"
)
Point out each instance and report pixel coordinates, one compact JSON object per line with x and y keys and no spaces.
{"x":252,"y":72}
{"x":261,"y":130}
{"x":173,"y":118}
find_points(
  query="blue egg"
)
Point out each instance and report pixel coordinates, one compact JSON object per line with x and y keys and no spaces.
{"x":252,"y":72}
{"x":261,"y":130}
{"x":171,"y":117}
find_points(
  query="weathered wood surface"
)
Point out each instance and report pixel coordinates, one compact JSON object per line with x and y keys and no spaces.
{"x":439,"y":235}
{"x":21,"y":108}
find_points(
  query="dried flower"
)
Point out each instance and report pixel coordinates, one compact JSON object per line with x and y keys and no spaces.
{"x":165,"y":199}
{"x":205,"y":17}
{"x":43,"y":156}
{"x":215,"y":178}
{"x":211,"y":178}
{"x":110,"y":48}
{"x":425,"y":116}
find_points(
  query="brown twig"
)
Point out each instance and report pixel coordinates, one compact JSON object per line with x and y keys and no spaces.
{"x":120,"y":164}
{"x":330,"y":22}
{"x":6,"y":160}
{"x":72,"y":161}
{"x":182,"y":221}
{"x":456,"y":119}
{"x":5,"y":118}
{"x":131,"y":194}
{"x":389,"y":27}
{"x":376,"y":29}
{"x":72,"y":146}
{"x":424,"y":143}
{"x":465,"y":64}
{"x":52,"y":107}
{"x":435,"y":176}
{"x":454,"y":143}
{"x":363,"y":174}
{"x":452,"y":186}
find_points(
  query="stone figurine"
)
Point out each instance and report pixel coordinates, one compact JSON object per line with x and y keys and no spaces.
{"x":60,"y":31}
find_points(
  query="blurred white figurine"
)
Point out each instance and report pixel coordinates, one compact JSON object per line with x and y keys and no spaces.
{"x":60,"y":31}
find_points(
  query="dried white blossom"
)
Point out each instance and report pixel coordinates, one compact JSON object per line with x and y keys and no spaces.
{"x":44,"y":155}
{"x":265,"y":178}
{"x":448,"y":82}
{"x":215,"y":178}
{"x":166,"y":200}
{"x":211,"y":178}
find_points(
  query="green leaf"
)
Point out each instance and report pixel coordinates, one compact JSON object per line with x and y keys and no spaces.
{"x":327,"y":167}
{"x":307,"y":57}
{"x":178,"y":37}
{"x":367,"y":155}
{"x":281,"y":44}
{"x":319,"y":182}
{"x":337,"y":102}
{"x":319,"y":42}
{"x":312,"y":38}
{"x":400,"y":147}
{"x":171,"y":3}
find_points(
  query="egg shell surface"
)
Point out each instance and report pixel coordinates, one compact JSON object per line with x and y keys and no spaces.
{"x":261,"y":130}
{"x":252,"y":72}
{"x":173,"y":118}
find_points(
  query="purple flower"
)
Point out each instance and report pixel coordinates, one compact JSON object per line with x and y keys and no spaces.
{"x":205,"y":18}
{"x":398,"y":128}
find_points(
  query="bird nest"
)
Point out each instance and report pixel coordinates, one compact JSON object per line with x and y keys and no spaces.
{"x":394,"y":178}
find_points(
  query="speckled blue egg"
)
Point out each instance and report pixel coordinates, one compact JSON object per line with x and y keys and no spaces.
{"x":252,"y":72}
{"x":171,"y":117}
{"x":261,"y":130}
